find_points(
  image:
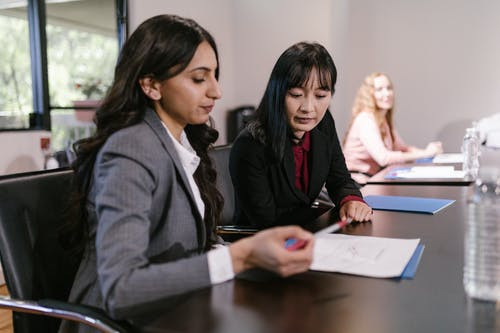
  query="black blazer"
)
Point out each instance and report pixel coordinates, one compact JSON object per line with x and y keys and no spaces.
{"x":265,"y":191}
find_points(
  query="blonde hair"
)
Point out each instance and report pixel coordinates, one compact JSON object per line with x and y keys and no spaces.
{"x":365,"y":102}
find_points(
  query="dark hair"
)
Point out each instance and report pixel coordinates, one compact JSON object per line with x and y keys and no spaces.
{"x":160,"y":48}
{"x":292,"y":69}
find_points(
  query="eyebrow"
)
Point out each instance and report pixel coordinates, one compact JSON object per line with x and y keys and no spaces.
{"x":202,"y":68}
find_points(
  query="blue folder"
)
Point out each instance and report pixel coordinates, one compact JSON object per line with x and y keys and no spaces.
{"x":424,"y":160}
{"x":411,"y":267}
{"x":407,"y":204}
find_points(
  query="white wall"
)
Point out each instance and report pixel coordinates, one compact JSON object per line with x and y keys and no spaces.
{"x":21,"y":151}
{"x":441,"y":54}
{"x":266,"y":28}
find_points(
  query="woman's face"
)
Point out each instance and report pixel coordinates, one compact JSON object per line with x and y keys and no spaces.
{"x":305,"y":106}
{"x":383,"y":93}
{"x":189,"y":97}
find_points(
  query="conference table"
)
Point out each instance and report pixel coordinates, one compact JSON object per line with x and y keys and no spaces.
{"x":433,"y":301}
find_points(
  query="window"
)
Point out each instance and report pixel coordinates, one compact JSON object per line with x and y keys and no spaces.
{"x":16,"y":99}
{"x":82,"y":49}
{"x":74,"y":47}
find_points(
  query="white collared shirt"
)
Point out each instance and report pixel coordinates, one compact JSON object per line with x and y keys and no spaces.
{"x":190,"y":162}
{"x":220,"y":265}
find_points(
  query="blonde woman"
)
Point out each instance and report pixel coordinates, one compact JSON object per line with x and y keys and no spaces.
{"x":372,"y":142}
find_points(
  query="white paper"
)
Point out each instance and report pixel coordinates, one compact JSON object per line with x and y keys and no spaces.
{"x":448,"y":158}
{"x":433,"y":169}
{"x":362,"y":255}
{"x":430,"y":172}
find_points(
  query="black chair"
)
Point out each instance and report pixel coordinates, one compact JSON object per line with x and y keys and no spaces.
{"x":38,"y":272}
{"x":237,"y":119}
{"x":228,"y":231}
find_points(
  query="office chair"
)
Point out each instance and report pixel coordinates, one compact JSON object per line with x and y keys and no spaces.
{"x":237,"y":119}
{"x":38,"y":272}
{"x":228,"y":231}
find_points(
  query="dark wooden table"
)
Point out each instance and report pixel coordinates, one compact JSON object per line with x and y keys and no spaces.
{"x":434,"y":301}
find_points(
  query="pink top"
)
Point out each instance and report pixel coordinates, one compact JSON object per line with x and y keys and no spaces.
{"x":366,"y":152}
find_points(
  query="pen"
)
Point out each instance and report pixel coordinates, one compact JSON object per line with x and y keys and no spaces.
{"x":292,"y":244}
{"x":334,"y":227}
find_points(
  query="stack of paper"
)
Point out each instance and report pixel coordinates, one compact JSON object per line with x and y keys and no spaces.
{"x":367,"y":256}
{"x":418,"y":172}
{"x":448,"y":158}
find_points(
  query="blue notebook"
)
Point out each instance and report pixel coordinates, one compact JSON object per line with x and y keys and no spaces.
{"x":411,"y":267}
{"x":407,"y":204}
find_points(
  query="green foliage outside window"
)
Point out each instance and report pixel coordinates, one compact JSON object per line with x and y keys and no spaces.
{"x":15,"y":70}
{"x":80,"y":65}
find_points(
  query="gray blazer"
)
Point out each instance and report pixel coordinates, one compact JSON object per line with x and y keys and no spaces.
{"x":145,"y":229}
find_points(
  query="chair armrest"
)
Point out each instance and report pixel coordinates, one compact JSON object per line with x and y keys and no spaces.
{"x":235,"y":229}
{"x":80,"y":313}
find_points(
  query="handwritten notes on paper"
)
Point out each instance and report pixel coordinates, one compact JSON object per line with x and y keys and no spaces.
{"x":362,"y":255}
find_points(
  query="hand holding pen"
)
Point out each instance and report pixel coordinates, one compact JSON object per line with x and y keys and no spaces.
{"x":334,"y":227}
{"x":266,"y":250}
{"x":292,"y":244}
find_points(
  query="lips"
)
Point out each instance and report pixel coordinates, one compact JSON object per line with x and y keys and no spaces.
{"x":303,"y":120}
{"x":208,"y":108}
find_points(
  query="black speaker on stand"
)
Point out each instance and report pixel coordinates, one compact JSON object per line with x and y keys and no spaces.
{"x":237,"y":119}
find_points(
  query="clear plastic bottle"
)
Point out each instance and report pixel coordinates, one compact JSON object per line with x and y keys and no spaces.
{"x":482,"y":238}
{"x":470,"y":151}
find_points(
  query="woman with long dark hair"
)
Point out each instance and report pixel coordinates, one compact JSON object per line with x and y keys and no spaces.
{"x":145,"y":203}
{"x":281,"y":161}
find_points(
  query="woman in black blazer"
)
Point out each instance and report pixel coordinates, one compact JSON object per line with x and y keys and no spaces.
{"x":281,"y":161}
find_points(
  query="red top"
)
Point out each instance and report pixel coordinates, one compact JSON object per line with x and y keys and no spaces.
{"x":300,"y":157}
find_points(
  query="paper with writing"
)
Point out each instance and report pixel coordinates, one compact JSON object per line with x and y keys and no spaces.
{"x":362,"y":255}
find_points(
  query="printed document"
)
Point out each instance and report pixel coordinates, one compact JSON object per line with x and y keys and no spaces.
{"x":362,"y":255}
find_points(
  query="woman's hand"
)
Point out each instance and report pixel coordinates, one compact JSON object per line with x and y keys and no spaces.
{"x":266,"y":249}
{"x":357,"y":210}
{"x":434,"y":148}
